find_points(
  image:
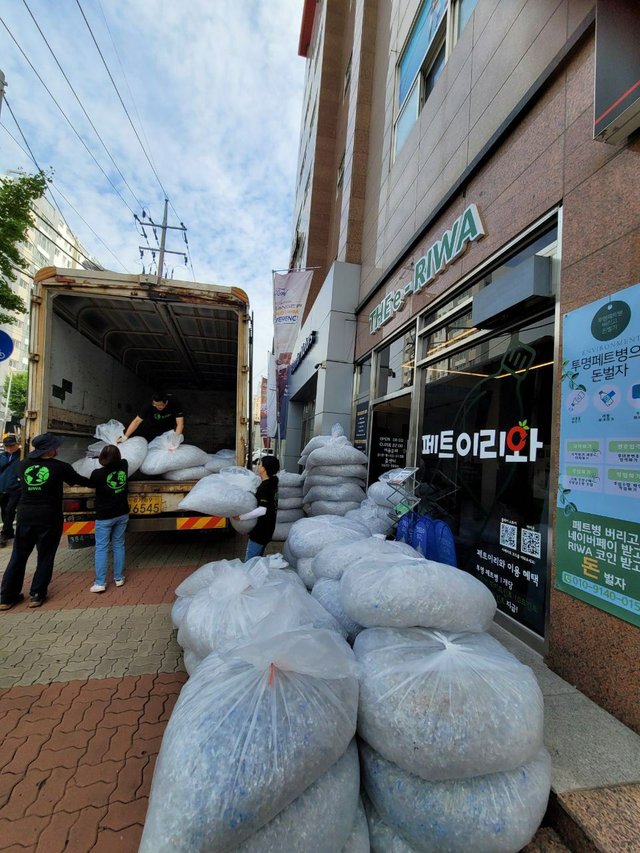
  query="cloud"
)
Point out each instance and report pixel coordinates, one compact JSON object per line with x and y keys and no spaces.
{"x":218,"y":87}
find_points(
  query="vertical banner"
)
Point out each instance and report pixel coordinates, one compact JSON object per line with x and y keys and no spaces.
{"x":597,"y":530}
{"x":272,"y":398}
{"x":289,"y":296}
{"x":263,"y":407}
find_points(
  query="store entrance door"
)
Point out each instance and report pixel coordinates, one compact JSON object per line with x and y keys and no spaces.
{"x":389,"y":436}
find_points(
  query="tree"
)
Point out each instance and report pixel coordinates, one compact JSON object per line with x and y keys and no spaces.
{"x":16,"y":197}
{"x":18,"y":393}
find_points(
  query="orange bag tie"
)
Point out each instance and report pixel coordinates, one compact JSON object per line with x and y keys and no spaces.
{"x":272,"y":674}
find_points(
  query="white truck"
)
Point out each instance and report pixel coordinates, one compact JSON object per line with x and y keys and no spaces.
{"x":100,"y":345}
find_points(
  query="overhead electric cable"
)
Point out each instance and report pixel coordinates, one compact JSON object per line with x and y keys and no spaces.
{"x":55,"y":58}
{"x":124,"y":74}
{"x":144,"y":151}
{"x":66,"y":117}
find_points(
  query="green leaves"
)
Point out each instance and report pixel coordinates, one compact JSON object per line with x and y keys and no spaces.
{"x":16,"y":198}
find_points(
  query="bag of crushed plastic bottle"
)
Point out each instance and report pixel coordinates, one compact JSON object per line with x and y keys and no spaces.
{"x":332,"y":560}
{"x":376,"y":518}
{"x":447,"y":706}
{"x":186,"y":475}
{"x":202,"y":577}
{"x":250,"y":732}
{"x":336,"y":508}
{"x":337,"y":453}
{"x":382,"y":839}
{"x":167,"y":452}
{"x":497,"y":813}
{"x":237,"y":600}
{"x":358,"y":840}
{"x":327,"y":592}
{"x":222,"y":459}
{"x":213,"y":495}
{"x":321,"y":819}
{"x":410,"y":591}
{"x":310,"y":535}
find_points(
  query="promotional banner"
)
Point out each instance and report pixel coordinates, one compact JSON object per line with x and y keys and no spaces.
{"x":597,"y":530}
{"x":272,"y":398}
{"x":263,"y":406}
{"x":289,"y":296}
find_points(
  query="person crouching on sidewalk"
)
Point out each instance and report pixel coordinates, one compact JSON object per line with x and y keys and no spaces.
{"x":40,"y":520}
{"x":111,"y":483}
{"x":265,"y":512}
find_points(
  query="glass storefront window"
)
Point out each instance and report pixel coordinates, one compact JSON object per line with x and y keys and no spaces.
{"x":484,"y":449}
{"x":396,"y":363}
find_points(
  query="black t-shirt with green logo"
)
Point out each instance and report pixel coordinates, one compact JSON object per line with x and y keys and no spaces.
{"x":111,"y":483}
{"x":266,"y":496}
{"x":41,"y":482}
{"x":156,"y":422}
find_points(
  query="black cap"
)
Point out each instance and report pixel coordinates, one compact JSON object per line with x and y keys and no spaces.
{"x":9,"y":439}
{"x":44,"y":443}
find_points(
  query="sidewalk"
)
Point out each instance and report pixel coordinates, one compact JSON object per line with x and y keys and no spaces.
{"x":88,"y":682}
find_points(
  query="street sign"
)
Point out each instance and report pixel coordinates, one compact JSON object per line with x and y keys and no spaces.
{"x":6,"y":346}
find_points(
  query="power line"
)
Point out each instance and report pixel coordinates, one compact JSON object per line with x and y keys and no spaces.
{"x":55,"y":58}
{"x":60,"y":235}
{"x":66,"y":117}
{"x":54,"y":187}
{"x":144,"y":151}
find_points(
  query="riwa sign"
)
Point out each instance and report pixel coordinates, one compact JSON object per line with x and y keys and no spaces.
{"x":466,"y":229}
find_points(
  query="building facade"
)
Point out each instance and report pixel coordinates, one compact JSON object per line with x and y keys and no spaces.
{"x":452,"y":152}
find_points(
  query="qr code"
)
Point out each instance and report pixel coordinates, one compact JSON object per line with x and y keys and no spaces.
{"x":530,"y":541}
{"x":508,"y":535}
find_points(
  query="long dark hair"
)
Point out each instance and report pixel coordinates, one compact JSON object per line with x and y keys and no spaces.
{"x":109,"y":455}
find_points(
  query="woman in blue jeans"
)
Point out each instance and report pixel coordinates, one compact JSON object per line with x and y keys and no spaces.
{"x":112,"y":514}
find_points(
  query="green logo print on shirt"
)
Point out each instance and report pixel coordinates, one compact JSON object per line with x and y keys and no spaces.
{"x":36,"y":476}
{"x":117,"y":481}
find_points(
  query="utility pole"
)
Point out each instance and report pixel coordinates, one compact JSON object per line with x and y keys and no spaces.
{"x":1,"y":88}
{"x":162,"y":250}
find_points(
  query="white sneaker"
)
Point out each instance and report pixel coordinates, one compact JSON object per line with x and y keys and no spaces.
{"x":98,"y":587}
{"x":120,"y":582}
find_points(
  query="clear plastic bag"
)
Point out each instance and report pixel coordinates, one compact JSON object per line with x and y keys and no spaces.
{"x":251,"y":731}
{"x":213,"y":495}
{"x":305,"y":572}
{"x":288,"y":480}
{"x":408,"y":591}
{"x":293,"y":502}
{"x":382,"y":839}
{"x":185,"y":475}
{"x":358,"y":471}
{"x":217,"y":462}
{"x":241,"y":477}
{"x":358,"y":840}
{"x":338,"y":452}
{"x":321,"y":819}
{"x":202,"y":577}
{"x":288,"y":516}
{"x":232,"y":608}
{"x":337,"y":508}
{"x":385,"y":495}
{"x":374,"y":517}
{"x":447,"y":706}
{"x":310,"y":535}
{"x":333,"y":559}
{"x":327,"y":592}
{"x":497,"y":813}
{"x":339,"y":491}
{"x":167,"y":452}
{"x":313,"y":480}
{"x":243,"y":527}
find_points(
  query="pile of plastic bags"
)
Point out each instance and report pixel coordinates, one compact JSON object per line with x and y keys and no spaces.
{"x":166,"y":456}
{"x":310,"y":535}
{"x":335,"y":474}
{"x":259,"y":753}
{"x":451,"y":724}
{"x":290,"y":501}
{"x":221,"y":459}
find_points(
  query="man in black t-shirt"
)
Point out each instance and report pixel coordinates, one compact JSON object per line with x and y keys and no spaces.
{"x":266,"y":511}
{"x":162,"y":415}
{"x":41,"y":477}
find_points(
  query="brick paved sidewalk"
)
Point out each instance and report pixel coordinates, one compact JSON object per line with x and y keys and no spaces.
{"x":87,"y":684}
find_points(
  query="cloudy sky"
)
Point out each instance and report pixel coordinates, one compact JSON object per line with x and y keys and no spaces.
{"x":214,"y":90}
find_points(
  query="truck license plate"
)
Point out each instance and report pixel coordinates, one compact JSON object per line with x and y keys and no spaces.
{"x":147,"y":505}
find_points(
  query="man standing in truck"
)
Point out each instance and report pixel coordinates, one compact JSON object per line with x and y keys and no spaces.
{"x":41,"y":477}
{"x":164,"y":414}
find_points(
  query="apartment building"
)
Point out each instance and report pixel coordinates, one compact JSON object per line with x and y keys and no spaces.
{"x":50,"y":242}
{"x":467,"y":188}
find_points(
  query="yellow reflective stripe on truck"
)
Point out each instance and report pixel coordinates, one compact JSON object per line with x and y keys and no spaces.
{"x":77,"y":528}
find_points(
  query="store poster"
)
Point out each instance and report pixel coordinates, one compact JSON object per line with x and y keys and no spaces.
{"x":598,"y":505}
{"x":362,"y":425}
